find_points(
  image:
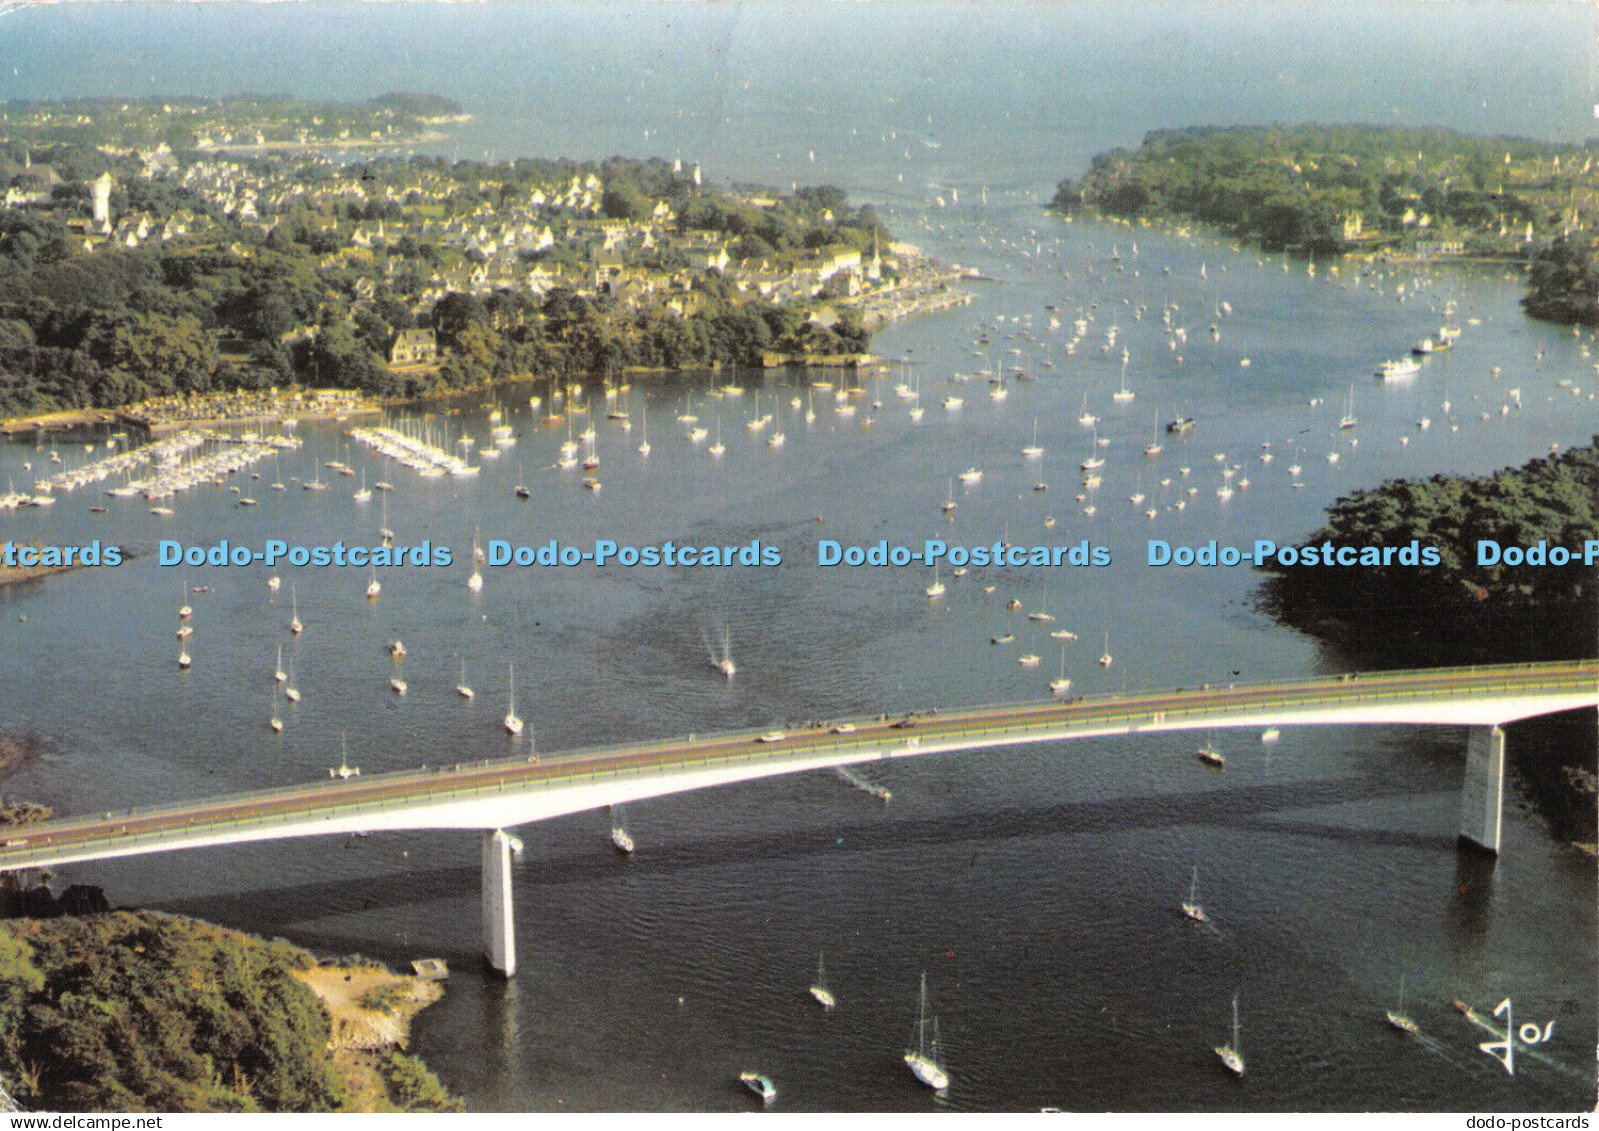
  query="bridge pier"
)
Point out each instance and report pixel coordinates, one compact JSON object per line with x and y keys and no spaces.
{"x":1482,"y":794}
{"x":499,"y":927}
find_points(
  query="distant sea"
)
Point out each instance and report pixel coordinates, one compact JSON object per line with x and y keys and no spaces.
{"x":889,"y":99}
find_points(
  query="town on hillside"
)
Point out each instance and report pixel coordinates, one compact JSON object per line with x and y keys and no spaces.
{"x":142,"y":271}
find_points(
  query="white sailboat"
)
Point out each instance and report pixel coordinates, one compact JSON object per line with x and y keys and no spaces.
{"x":949,"y":503}
{"x":1397,"y":1017}
{"x":291,"y":692}
{"x":620,"y":839}
{"x":1086,"y":418}
{"x":513,"y":722}
{"x":278,"y":673}
{"x":923,"y":1059}
{"x":819,"y":989}
{"x":275,"y":722}
{"x":937,"y":588}
{"x":365,"y":493}
{"x":1033,"y":451}
{"x":1060,"y":685}
{"x":1347,"y":421}
{"x":644,"y":430}
{"x":463,"y":689}
{"x":724,"y":662}
{"x":1191,"y":905}
{"x":1105,"y":657}
{"x":1123,"y":394}
{"x":1095,"y":461}
{"x":345,"y":770}
{"x":1230,"y":1056}
{"x":474,"y":581}
{"x":373,"y":587}
{"x":294,"y":618}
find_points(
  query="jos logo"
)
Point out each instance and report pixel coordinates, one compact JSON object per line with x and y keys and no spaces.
{"x":1504,"y":1051}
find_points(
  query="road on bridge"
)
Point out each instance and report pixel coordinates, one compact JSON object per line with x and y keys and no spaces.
{"x":58,"y":841}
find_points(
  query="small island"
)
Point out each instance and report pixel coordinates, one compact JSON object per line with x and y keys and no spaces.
{"x":1422,"y":195}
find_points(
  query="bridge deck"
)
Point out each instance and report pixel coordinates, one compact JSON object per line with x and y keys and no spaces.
{"x":498,"y":793}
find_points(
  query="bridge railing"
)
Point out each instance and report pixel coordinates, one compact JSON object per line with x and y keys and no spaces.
{"x":495,"y":777}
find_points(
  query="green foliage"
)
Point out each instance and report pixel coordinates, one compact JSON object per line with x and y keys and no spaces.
{"x":1292,"y":187}
{"x":141,"y":1012}
{"x":1563,"y":285}
{"x":1458,"y":608}
{"x":297,"y":300}
{"x":16,"y":965}
{"x":412,"y":1086}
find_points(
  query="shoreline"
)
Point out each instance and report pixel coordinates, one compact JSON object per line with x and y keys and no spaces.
{"x":16,"y":575}
{"x":426,"y":137}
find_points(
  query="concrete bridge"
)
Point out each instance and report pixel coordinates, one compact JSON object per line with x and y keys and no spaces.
{"x":497,"y":794}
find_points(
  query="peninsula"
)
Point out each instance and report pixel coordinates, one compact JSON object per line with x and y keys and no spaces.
{"x":1376,"y":191}
{"x":142,"y":265}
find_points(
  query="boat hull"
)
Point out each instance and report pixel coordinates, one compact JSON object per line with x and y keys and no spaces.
{"x":926,"y":1071}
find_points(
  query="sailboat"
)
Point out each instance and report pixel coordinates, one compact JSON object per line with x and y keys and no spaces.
{"x":475,"y":581}
{"x":275,"y":722}
{"x":463,"y":689}
{"x":1154,"y":447}
{"x":373,"y":587}
{"x":513,"y":723}
{"x":1209,"y":754}
{"x":949,"y":503}
{"x":619,"y":835}
{"x":644,"y":429}
{"x":277,"y":673}
{"x":1061,"y":685}
{"x":1396,"y":1015}
{"x":1095,"y":461}
{"x":345,"y":770}
{"x":1086,"y":418}
{"x":819,"y":990}
{"x":1123,"y":394}
{"x":936,"y":589}
{"x":291,"y":692}
{"x":724,"y":662}
{"x":1191,"y":907}
{"x":365,"y":493}
{"x":1230,"y":1056}
{"x":718,"y":448}
{"x":294,"y":619}
{"x":1105,"y":657}
{"x":1033,"y":451}
{"x":1347,"y":421}
{"x":521,"y":489}
{"x":923,"y":1059}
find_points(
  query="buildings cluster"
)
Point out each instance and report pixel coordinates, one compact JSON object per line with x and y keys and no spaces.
{"x":416,"y":232}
